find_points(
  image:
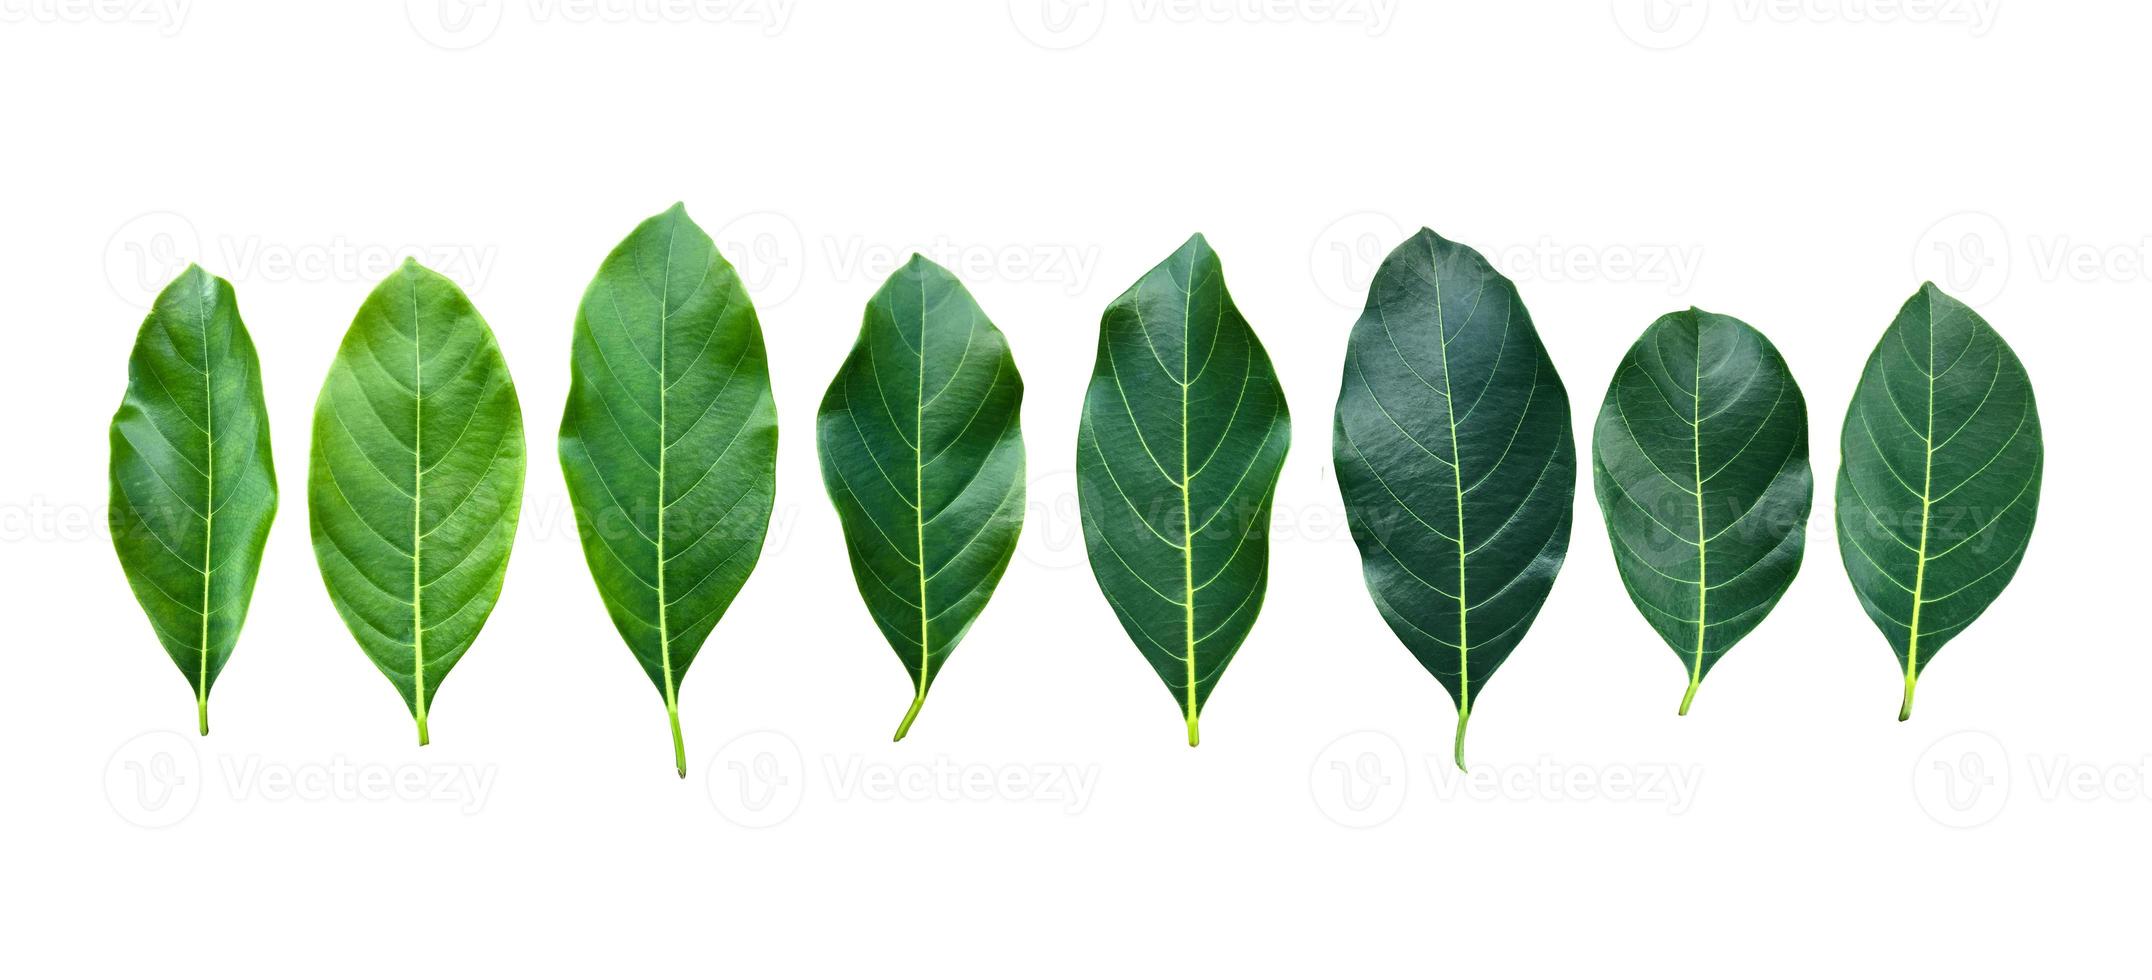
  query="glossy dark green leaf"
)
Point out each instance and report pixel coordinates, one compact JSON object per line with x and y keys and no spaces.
{"x":417,"y":479}
{"x":1940,"y":478}
{"x":193,"y":491}
{"x":669,"y":444}
{"x":1700,"y":458}
{"x":1456,"y":461}
{"x":924,"y":458}
{"x":1184,"y":432}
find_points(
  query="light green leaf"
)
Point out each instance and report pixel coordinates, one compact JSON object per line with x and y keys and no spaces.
{"x":1184,"y":431}
{"x":1701,"y":462}
{"x":193,"y":491}
{"x":417,"y":479}
{"x":1456,"y":461}
{"x":923,"y":456}
{"x":1940,"y":478}
{"x":669,"y":444}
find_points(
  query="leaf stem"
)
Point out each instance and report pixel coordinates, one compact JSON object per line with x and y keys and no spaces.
{"x":1695,"y":681}
{"x":201,"y":710}
{"x":1192,"y":737}
{"x":906,"y":725}
{"x":1905,"y":708}
{"x":1463,"y":715}
{"x":423,"y":736}
{"x":672,"y":715}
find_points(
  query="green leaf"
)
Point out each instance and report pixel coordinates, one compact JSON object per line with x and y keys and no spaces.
{"x":1456,"y":461}
{"x":1701,"y":462}
{"x":1184,"y":432}
{"x":1940,"y":479}
{"x":924,"y":457}
{"x":193,"y":491}
{"x":669,"y":444}
{"x":417,"y":479}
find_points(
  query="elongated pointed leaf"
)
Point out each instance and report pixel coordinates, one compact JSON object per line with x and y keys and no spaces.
{"x":1940,"y":478}
{"x":923,"y":455}
{"x":1456,"y":461}
{"x":193,"y":490}
{"x":669,"y":444}
{"x":1700,"y":459}
{"x":417,"y":479}
{"x":1184,"y":432}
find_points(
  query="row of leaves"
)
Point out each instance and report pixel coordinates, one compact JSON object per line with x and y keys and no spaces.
{"x":1451,"y":436}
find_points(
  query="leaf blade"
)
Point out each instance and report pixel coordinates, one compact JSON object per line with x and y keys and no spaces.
{"x":1740,"y":426}
{"x":1419,"y":463}
{"x":669,"y":444}
{"x":175,"y":408}
{"x":415,"y":482}
{"x":1142,"y":526}
{"x":963,"y":430}
{"x":1939,"y":483}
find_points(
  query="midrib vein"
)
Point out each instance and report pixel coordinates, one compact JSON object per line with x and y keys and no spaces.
{"x":209,"y":512}
{"x":1927,"y":498}
{"x":919,"y":497}
{"x":672,"y":696}
{"x":1188,"y":536}
{"x":418,"y":491}
{"x":1457,"y":482}
{"x":1696,"y":455}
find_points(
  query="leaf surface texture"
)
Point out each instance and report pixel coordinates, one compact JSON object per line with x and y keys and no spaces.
{"x":416,"y":480}
{"x":1184,"y":432}
{"x":923,"y":456}
{"x":193,"y":488}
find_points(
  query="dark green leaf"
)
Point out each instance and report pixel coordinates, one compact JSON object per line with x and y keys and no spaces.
{"x":1701,"y":463}
{"x":417,"y":479}
{"x":669,"y":444}
{"x":1456,"y":462}
{"x":924,"y":458}
{"x":193,"y":490}
{"x":1940,"y":479}
{"x":1184,"y":432}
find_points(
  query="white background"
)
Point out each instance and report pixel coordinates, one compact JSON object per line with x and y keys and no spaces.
{"x":1803,"y":169}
